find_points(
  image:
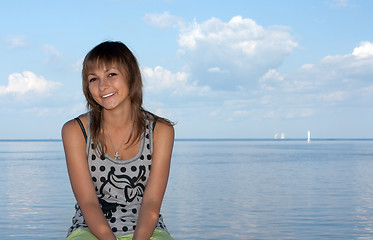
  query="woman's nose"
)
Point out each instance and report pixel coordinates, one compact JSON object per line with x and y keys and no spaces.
{"x":103,"y":83}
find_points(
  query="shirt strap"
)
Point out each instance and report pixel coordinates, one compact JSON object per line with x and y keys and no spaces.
{"x":82,"y":128}
{"x":154,"y":122}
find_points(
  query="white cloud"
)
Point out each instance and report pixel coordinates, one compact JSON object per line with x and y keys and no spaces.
{"x":52,"y":53}
{"x":334,"y":96}
{"x":241,"y":47}
{"x":286,"y":113}
{"x":216,"y":70}
{"x":356,"y":66}
{"x":240,"y":61}
{"x":271,"y":76}
{"x":214,"y":113}
{"x":76,"y":108}
{"x":163,"y":20}
{"x":238,"y":103}
{"x":364,"y":50}
{"x":339,"y":3}
{"x":241,"y":113}
{"x":27,"y":82}
{"x":14,"y":42}
{"x":341,"y":73}
{"x":317,"y":88}
{"x":43,"y":112}
{"x":334,"y":81}
{"x":77,"y":66}
{"x":307,"y":112}
{"x":72,"y":110}
{"x":160,"y":79}
{"x":367,"y":91}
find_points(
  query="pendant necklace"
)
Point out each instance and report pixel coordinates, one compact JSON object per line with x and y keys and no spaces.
{"x":116,"y":155}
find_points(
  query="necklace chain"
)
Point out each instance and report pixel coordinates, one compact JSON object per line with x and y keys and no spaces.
{"x":116,"y":155}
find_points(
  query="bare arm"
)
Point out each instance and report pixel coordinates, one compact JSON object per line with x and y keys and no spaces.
{"x":81,"y":182}
{"x":157,"y":183}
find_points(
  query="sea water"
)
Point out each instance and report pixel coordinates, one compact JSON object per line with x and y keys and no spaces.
{"x":218,"y":189}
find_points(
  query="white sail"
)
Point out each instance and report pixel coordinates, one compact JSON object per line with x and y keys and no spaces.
{"x":276,"y":136}
{"x":309,"y":136}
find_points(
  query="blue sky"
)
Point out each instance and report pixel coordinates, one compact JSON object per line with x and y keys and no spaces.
{"x":220,"y":69}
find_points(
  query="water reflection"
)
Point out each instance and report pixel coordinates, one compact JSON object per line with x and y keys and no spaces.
{"x":35,"y":191}
{"x":264,"y":190}
{"x":364,"y":188}
{"x":217,"y":190}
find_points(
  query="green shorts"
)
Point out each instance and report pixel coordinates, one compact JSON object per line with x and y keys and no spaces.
{"x":82,"y":234}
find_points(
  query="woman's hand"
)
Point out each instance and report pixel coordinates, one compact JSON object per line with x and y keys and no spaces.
{"x":163,"y":140}
{"x":80,"y":178}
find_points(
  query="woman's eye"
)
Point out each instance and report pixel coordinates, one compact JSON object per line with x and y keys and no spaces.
{"x":112,"y":74}
{"x":92,"y":79}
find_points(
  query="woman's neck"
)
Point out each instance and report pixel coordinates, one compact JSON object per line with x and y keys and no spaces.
{"x":117,"y":119}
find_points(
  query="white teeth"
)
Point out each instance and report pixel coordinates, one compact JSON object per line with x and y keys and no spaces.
{"x":108,"y":95}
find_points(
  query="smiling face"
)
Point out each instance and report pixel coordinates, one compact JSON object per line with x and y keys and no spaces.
{"x":111,"y":78}
{"x":108,"y":86}
{"x":121,"y":63}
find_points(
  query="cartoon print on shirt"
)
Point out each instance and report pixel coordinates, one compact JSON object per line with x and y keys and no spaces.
{"x":131,"y":187}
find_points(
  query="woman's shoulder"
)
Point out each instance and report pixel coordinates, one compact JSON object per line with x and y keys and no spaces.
{"x":163,"y":129}
{"x":73,"y":127}
{"x":163,"y":140}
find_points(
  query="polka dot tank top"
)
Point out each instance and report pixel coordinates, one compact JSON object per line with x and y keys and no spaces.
{"x":119,"y":185}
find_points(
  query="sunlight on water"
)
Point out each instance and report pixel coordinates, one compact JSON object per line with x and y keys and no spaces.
{"x":217,"y":190}
{"x":37,"y":191}
{"x":271,"y":190}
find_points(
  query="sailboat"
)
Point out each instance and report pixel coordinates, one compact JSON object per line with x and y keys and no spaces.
{"x":309,"y":136}
{"x":276,"y":136}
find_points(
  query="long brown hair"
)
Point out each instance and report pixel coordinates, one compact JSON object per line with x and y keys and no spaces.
{"x":115,"y":53}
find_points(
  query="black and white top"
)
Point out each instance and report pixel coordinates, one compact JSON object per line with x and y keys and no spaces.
{"x":120,"y":185}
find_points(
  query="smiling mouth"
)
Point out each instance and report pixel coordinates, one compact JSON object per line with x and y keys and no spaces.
{"x":108,"y":95}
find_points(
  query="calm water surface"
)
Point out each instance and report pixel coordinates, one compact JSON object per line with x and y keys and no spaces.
{"x":217,"y":190}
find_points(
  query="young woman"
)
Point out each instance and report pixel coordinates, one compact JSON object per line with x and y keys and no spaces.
{"x":118,"y":155}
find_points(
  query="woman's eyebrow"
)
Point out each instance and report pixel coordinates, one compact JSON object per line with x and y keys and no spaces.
{"x":109,"y":69}
{"x":105,"y":71}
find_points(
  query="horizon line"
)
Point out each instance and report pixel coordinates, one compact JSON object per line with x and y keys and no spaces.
{"x":205,"y":139}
